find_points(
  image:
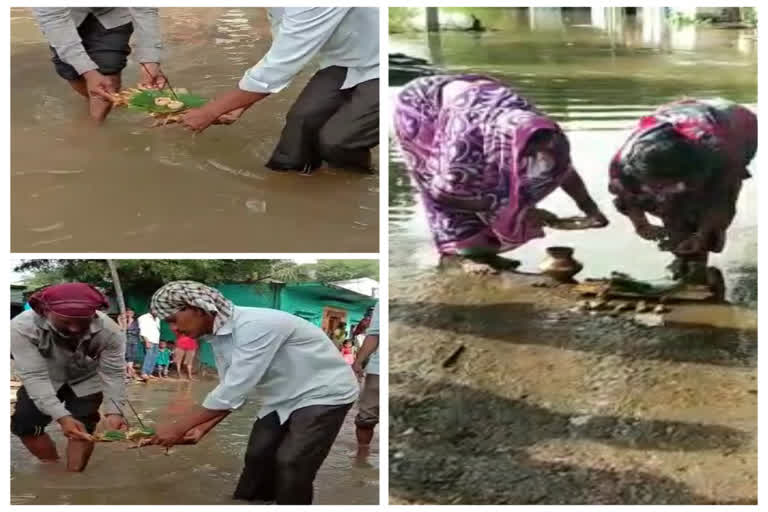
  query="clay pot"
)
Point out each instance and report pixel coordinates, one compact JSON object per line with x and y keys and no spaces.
{"x":560,"y":264}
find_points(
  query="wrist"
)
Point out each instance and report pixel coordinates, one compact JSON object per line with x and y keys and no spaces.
{"x":64,"y":419}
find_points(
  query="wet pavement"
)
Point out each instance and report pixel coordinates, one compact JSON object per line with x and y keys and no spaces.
{"x":205,"y":474}
{"x":544,"y":405}
{"x":126,"y":188}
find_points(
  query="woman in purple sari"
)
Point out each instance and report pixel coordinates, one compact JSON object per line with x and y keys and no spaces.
{"x":482,"y":157}
{"x":684,"y":164}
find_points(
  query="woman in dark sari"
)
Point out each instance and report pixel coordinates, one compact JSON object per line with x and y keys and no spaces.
{"x":684,"y":164}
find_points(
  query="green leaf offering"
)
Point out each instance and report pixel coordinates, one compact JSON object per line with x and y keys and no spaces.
{"x":164,"y":101}
{"x":113,"y":435}
{"x":625,"y":283}
{"x":140,"y":433}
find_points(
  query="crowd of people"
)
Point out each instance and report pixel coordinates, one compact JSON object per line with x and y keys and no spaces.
{"x":159,"y":355}
{"x":71,"y":359}
{"x":360,"y":350}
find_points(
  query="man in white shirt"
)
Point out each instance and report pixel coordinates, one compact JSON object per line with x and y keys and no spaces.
{"x":149,"y":330}
{"x":336,"y":117}
{"x":90,"y":47}
{"x":305,"y":388}
{"x":368,"y":406}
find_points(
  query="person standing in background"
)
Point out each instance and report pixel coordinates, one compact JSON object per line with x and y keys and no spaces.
{"x":368,"y":405}
{"x":149,"y":328}
{"x":339,"y":334}
{"x":163,"y":360}
{"x":130,"y":326}
{"x":184,"y":355}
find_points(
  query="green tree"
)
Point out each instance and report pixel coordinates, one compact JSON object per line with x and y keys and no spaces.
{"x":146,"y":276}
{"x":341,"y":270}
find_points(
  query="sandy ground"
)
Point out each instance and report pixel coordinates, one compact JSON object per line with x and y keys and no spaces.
{"x":544,"y":405}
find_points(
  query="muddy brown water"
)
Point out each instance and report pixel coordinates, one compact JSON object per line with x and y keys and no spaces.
{"x":126,"y":188}
{"x":205,"y":474}
{"x":544,"y":405}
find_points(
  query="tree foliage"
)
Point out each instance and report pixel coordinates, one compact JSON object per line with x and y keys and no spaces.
{"x":145,"y":276}
{"x":341,"y":270}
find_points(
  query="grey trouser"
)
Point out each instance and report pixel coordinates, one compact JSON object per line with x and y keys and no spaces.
{"x":368,"y":403}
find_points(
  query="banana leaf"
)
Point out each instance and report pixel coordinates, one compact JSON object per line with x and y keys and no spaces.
{"x":113,"y":435}
{"x":625,"y":283}
{"x":145,"y":100}
{"x":140,"y":433}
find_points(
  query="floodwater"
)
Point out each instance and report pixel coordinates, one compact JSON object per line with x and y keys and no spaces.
{"x":596,"y":84}
{"x":205,"y":474}
{"x":499,"y":394}
{"x":124,"y":187}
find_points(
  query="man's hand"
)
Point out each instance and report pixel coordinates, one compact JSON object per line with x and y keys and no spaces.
{"x":168,"y":434}
{"x":193,"y":436}
{"x":150,"y":76}
{"x":230,"y":117}
{"x":198,"y":119}
{"x":115,"y":422}
{"x":99,"y":85}
{"x":73,"y":429}
{"x":358,"y":369}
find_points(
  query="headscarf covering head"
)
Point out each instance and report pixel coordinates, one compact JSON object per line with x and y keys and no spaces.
{"x":177,"y":295}
{"x":74,"y":300}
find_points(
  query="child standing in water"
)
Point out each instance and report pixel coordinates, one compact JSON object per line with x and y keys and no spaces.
{"x":348,"y":351}
{"x":163,"y":360}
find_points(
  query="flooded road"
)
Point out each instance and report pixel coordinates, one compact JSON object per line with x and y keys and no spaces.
{"x":127,"y":188}
{"x":192,"y":475}
{"x":544,"y":405}
{"x":596,"y":84}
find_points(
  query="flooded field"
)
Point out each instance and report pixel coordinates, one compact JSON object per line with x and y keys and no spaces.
{"x":205,"y":474}
{"x":124,"y":187}
{"x":543,"y":405}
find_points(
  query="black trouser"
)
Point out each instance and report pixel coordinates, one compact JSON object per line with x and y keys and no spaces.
{"x":329,"y":124}
{"x":281,"y":461}
{"x":28,"y":420}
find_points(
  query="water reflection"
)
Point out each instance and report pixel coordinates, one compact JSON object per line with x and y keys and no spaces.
{"x":203,"y":474}
{"x":596,"y":72}
{"x":128,"y":188}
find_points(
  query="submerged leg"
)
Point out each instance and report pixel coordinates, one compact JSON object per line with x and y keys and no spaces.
{"x":41,"y":447}
{"x":100,"y":107}
{"x":297,"y":148}
{"x":79,"y":87}
{"x":349,"y":135}
{"x":78,"y":454}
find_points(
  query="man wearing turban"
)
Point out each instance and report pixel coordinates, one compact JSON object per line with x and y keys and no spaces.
{"x":70,"y":358}
{"x":304,"y":386}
